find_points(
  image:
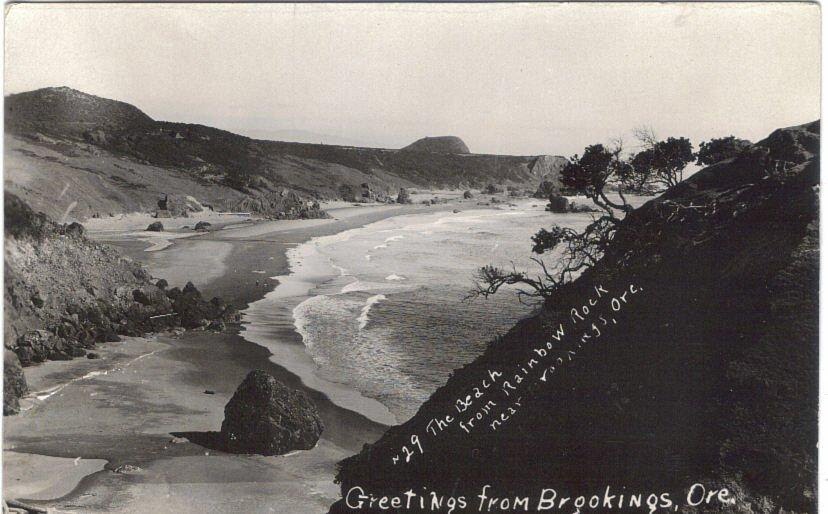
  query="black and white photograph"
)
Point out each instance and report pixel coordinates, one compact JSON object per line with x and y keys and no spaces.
{"x":341,"y":258}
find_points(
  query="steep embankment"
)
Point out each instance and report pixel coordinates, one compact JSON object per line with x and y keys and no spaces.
{"x":65,"y":146}
{"x":64,"y":294}
{"x":705,"y":373}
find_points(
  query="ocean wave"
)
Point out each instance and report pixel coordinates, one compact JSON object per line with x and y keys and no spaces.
{"x":394,"y":238}
{"x":356,"y":285}
{"x":380,"y":246}
{"x":363,"y":316}
{"x":394,"y":277}
{"x":342,"y":271}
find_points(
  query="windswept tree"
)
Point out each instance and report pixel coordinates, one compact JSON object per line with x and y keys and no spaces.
{"x":661,"y":162}
{"x":719,"y":149}
{"x":589,"y":175}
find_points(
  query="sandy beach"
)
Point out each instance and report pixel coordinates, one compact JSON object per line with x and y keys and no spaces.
{"x":133,"y":431}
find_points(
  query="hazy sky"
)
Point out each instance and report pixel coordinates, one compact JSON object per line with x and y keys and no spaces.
{"x":519,"y":79}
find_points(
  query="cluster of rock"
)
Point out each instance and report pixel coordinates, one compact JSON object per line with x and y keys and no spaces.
{"x":366,"y":193}
{"x":266,"y":417}
{"x":64,"y":294}
{"x":177,"y":206}
{"x":201,"y":226}
{"x":559,"y":204}
{"x":403,"y":196}
{"x":281,"y":204}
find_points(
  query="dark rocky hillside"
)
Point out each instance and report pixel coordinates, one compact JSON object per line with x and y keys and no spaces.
{"x":439,"y":144}
{"x":706,"y":373}
{"x":117,"y":151}
{"x":74,"y":110}
{"x":64,"y":294}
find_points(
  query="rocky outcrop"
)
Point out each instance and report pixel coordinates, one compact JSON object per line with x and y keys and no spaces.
{"x":155,"y":226}
{"x":281,"y":204}
{"x":64,"y":293}
{"x":557,"y":204}
{"x":438,"y":144}
{"x":706,"y":373}
{"x":14,"y":383}
{"x":269,"y":418}
{"x":403,"y":196}
{"x":547,"y":188}
{"x":179,"y":205}
{"x":548,"y":167}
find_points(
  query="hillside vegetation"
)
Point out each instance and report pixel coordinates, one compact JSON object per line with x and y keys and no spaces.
{"x":65,"y":146}
{"x":687,"y":354}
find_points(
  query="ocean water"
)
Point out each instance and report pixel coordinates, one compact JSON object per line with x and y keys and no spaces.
{"x":381,"y":309}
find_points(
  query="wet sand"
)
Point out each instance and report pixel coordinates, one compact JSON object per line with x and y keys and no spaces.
{"x":144,"y":403}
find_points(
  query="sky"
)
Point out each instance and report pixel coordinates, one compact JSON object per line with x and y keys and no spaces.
{"x":520,"y":79}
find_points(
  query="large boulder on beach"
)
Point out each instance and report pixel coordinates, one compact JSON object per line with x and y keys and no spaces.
{"x":155,"y":226}
{"x":266,"y":417}
{"x":558,"y":204}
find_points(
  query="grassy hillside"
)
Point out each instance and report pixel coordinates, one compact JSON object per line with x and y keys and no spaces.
{"x":120,"y":159}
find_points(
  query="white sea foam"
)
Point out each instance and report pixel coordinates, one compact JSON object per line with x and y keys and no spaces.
{"x":356,"y":285}
{"x":422,"y":331}
{"x":370,"y":302}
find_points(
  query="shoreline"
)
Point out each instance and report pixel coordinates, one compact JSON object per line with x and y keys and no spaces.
{"x":265,"y":320}
{"x":256,"y":252}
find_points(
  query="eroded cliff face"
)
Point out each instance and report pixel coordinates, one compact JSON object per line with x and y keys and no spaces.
{"x":687,"y":355}
{"x":64,"y":294}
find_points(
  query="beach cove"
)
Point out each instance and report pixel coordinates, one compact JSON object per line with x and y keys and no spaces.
{"x":131,"y":431}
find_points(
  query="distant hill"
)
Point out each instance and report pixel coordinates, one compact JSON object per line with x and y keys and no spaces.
{"x":114,"y":158}
{"x":63,"y":105}
{"x":440,"y":144}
